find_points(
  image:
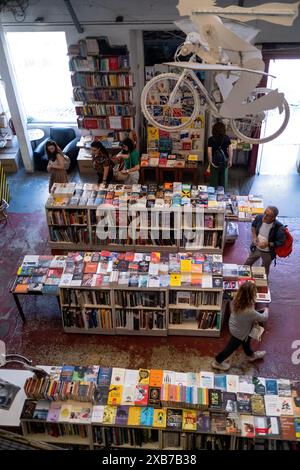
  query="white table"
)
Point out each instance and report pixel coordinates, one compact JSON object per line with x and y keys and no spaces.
{"x":11,"y":417}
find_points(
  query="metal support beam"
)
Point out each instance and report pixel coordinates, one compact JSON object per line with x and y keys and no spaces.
{"x":74,"y":16}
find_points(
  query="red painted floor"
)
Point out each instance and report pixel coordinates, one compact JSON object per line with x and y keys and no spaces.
{"x":43,"y":340}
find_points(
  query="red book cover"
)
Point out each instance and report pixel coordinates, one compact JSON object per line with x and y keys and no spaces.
{"x":141,"y":395}
{"x":90,"y":267}
{"x":113,"y":63}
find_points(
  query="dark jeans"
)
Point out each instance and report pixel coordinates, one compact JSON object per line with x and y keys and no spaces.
{"x":232,"y":345}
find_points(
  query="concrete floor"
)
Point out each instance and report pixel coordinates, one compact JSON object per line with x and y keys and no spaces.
{"x":43,"y":339}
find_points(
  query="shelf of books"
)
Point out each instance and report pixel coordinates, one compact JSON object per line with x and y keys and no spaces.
{"x":177,"y":149}
{"x":103,"y":407}
{"x":132,"y":293}
{"x":102,"y":86}
{"x":173,"y":217}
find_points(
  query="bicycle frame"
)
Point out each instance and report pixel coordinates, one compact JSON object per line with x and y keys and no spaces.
{"x":191,"y":73}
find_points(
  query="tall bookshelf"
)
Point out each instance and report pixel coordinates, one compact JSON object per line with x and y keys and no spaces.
{"x":102,"y":87}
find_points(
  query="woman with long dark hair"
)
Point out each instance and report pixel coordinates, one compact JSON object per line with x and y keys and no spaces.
{"x":219,"y":169}
{"x":101,"y":162}
{"x":56,"y":164}
{"x":241,"y":320}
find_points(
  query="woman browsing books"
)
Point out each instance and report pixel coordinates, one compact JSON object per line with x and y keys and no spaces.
{"x":56,"y":164}
{"x":128,"y":166}
{"x":241,"y":321}
{"x":101,"y":162}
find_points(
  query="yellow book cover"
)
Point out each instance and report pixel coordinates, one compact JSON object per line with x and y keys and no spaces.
{"x":109,"y":415}
{"x":144,"y":376}
{"x":156,"y":377}
{"x":186,"y":265}
{"x":192,"y":157}
{"x":175,"y":280}
{"x":115,"y":395}
{"x":160,"y":418}
{"x":152,"y":134}
{"x":134,"y":416}
{"x":189,"y":420}
{"x":212,"y":203}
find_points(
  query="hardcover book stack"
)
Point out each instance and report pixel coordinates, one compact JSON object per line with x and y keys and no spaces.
{"x":72,"y":398}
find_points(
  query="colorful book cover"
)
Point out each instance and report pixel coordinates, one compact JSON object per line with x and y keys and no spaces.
{"x":232,"y":383}
{"x":134,"y":416}
{"x":244,"y":402}
{"x":54,"y":412}
{"x":144,"y":376}
{"x":246,"y":384}
{"x":78,"y":373}
{"x":272,"y":405}
{"x":297,"y":427}
{"x":156,"y":377}
{"x":160,"y":418}
{"x":141,"y":395}
{"x":261,"y":425}
{"x":258,"y":404}
{"x":115,"y":394}
{"x":175,"y":280}
{"x":203,"y":421}
{"x":104,"y":376}
{"x":206,"y":379}
{"x":273,"y":426}
{"x":286,"y":406}
{"x":122,"y":415}
{"x":189,"y":420}
{"x":101,"y":394}
{"x":220,"y":382}
{"x":215,"y":399}
{"x":28,"y":409}
{"x":117,"y":376}
{"x":65,"y":412}
{"x":284,"y":387}
{"x":154,"y":396}
{"x":67,"y":373}
{"x":109,"y":415}
{"x":147,"y":414}
{"x":271,"y":387}
{"x":229,"y":402}
{"x":174,"y":418}
{"x":233,"y":423}
{"x":247,"y":425}
{"x":259,"y":385}
{"x":128,"y":396}
{"x":218,"y":423}
{"x":287,"y":427}
{"x":295,"y":391}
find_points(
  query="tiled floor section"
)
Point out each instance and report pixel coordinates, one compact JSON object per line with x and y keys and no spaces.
{"x":43,"y":339}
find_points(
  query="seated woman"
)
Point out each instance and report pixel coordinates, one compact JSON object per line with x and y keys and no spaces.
{"x":130,"y":156}
{"x":56,"y":164}
{"x":101,"y":162}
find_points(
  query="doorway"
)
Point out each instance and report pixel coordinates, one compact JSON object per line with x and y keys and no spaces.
{"x":279,"y":156}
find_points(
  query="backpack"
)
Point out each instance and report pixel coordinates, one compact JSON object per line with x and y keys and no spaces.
{"x":286,"y":249}
{"x":67,"y":162}
{"x":219,"y":158}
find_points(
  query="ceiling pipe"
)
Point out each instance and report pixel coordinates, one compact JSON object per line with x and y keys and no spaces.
{"x":74,"y":16}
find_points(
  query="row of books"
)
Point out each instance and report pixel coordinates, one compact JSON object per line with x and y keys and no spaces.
{"x":105,"y":95}
{"x":57,"y":217}
{"x":136,"y":320}
{"x":189,"y":139}
{"x":156,"y":387}
{"x":108,"y":123}
{"x":104,"y":110}
{"x":96,"y":46}
{"x":243,"y":208}
{"x":203,"y":319}
{"x":87,"y":318}
{"x":175,"y":194}
{"x":161,"y":418}
{"x":97,"y":64}
{"x":166,"y":160}
{"x":117,"y":80}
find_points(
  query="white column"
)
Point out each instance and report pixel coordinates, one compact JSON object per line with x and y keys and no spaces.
{"x":136,"y":48}
{"x":14,"y":103}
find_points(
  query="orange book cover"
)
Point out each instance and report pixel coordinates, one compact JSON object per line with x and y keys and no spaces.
{"x":156,"y":377}
{"x":90,"y":268}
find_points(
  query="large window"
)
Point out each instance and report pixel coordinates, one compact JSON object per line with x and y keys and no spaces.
{"x":41,"y":65}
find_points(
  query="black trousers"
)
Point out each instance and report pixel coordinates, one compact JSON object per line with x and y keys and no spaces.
{"x":232,"y":345}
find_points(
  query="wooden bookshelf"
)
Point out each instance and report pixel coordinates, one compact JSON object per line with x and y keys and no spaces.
{"x":91,"y":75}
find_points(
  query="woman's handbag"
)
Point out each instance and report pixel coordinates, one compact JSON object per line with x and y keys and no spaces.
{"x":256,"y":331}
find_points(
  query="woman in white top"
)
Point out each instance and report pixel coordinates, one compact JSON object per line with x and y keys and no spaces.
{"x":240,"y":324}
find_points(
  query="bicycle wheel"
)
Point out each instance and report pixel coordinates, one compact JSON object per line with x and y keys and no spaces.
{"x":250,"y":127}
{"x":169,"y":108}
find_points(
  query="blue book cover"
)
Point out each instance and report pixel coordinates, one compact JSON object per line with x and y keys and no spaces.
{"x":147,"y":416}
{"x":104,"y":375}
{"x":67,"y":373}
{"x":122,"y":415}
{"x":220,"y":382}
{"x":271,"y":387}
{"x":203,"y":421}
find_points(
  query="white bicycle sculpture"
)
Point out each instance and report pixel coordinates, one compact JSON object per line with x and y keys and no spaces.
{"x":172,"y":101}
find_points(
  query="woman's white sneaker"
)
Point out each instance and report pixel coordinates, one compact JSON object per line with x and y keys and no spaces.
{"x":257,"y":355}
{"x":221,"y":366}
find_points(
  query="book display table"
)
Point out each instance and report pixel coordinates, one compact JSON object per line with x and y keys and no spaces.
{"x":109,"y":407}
